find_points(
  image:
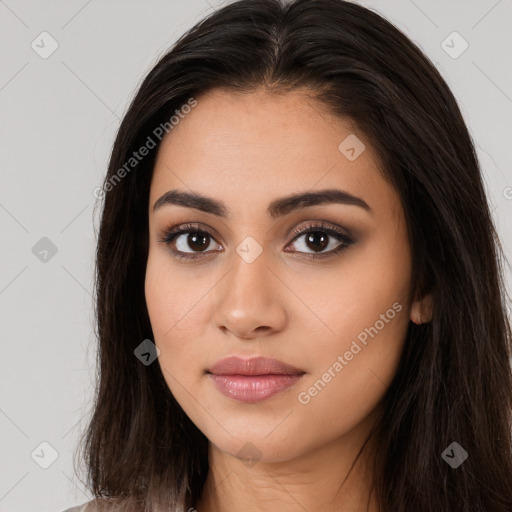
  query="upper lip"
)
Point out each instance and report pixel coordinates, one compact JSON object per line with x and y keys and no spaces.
{"x":235,"y":365}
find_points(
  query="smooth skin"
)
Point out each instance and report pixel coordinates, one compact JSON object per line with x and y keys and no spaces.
{"x":247,"y":150}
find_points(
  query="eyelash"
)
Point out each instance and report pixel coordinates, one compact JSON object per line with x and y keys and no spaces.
{"x":167,"y":237}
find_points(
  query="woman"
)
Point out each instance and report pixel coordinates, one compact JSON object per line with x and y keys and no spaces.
{"x":299,"y":289}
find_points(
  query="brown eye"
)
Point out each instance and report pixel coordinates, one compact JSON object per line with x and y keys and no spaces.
{"x":188,"y":241}
{"x":319,"y":238}
{"x":198,"y":241}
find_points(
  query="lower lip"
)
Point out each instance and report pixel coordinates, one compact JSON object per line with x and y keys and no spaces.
{"x":253,"y":388}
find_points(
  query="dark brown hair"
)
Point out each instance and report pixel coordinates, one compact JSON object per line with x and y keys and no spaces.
{"x":454,"y":381}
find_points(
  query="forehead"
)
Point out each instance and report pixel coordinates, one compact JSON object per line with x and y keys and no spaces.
{"x":250,"y":148}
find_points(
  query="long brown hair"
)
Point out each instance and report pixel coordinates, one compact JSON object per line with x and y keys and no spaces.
{"x":454,"y":381}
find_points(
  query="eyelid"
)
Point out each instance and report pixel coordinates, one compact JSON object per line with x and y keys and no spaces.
{"x":165,"y":235}
{"x":324,"y":226}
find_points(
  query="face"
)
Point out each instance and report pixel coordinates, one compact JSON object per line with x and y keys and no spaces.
{"x":318,"y":286}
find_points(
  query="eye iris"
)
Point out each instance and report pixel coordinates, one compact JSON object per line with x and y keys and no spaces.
{"x":198,"y":240}
{"x":318,"y":239}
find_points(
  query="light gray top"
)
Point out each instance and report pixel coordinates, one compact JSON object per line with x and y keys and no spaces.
{"x":78,"y":508}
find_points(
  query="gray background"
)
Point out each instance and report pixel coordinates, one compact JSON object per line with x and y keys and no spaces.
{"x":59,"y":118}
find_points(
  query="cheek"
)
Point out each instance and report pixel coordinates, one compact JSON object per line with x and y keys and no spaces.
{"x":177,"y":312}
{"x":352,"y":379}
{"x":353,"y":368}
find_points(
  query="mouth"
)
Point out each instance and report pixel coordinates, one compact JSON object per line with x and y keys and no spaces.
{"x":253,"y":380}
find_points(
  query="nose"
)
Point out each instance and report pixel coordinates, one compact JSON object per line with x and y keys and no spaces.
{"x":249,"y":302}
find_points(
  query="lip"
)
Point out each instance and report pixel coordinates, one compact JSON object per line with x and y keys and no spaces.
{"x":235,"y":365}
{"x":253,"y":380}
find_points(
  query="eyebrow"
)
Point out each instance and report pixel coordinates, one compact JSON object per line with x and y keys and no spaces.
{"x":276,"y":208}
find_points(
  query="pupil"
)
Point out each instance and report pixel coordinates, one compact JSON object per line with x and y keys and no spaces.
{"x":318,"y":239}
{"x":198,"y":240}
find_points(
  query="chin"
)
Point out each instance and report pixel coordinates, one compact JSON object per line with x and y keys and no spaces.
{"x":257,"y":443}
